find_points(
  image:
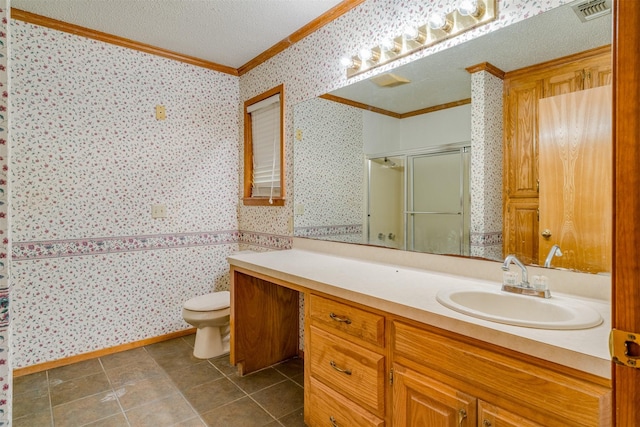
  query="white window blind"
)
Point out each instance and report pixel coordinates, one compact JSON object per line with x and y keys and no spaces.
{"x":265,"y":133}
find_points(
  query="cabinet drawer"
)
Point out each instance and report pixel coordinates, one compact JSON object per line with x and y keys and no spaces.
{"x":327,"y":408}
{"x":494,"y":416}
{"x":353,"y":321}
{"x":353,"y":371}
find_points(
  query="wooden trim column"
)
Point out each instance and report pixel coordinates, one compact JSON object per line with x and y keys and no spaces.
{"x":626,"y":229}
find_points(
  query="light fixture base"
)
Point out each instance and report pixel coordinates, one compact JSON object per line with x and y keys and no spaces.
{"x":456,"y":24}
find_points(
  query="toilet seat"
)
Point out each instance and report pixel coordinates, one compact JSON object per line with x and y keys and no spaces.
{"x":209,"y":302}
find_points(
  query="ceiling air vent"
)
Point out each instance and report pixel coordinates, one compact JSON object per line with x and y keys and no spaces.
{"x":389,"y":80}
{"x":591,"y":9}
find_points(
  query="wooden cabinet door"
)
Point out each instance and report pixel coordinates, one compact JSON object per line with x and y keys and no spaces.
{"x":599,"y":72}
{"x":521,"y":131}
{"x":575,"y":178}
{"x":587,"y":73}
{"x":420,"y":401}
{"x":565,"y":81}
{"x":494,"y":416}
{"x":521,"y":229}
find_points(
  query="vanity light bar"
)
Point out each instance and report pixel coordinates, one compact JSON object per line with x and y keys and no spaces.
{"x":440,"y":26}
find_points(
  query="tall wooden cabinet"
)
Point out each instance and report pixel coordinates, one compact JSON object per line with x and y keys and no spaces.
{"x":522,"y":91}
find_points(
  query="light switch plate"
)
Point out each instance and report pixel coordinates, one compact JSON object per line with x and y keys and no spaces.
{"x":161,"y":112}
{"x":158,"y":211}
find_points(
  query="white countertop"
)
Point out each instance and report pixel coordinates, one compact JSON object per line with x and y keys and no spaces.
{"x":411,"y":293}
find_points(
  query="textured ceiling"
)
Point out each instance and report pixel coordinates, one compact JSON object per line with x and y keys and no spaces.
{"x":226,"y":32}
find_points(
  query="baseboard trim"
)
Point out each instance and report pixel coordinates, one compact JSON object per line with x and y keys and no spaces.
{"x":99,"y":353}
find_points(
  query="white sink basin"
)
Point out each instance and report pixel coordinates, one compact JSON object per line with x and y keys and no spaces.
{"x":520,"y":310}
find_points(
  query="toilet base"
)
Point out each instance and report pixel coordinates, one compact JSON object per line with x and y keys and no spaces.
{"x":210,"y":342}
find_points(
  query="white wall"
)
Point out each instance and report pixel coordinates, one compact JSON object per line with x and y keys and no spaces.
{"x":384,"y":134}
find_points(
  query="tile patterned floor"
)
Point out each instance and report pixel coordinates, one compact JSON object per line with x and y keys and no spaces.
{"x":160,"y":385}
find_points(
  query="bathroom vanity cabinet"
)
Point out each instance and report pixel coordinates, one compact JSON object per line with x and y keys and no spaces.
{"x":452,"y":380}
{"x":369,"y":366}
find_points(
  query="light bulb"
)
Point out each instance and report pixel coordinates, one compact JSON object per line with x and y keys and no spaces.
{"x":365,"y":54}
{"x":473,"y":8}
{"x":439,"y":21}
{"x":411,"y":33}
{"x":390,"y":45}
{"x":352,"y":63}
{"x":346,"y":62}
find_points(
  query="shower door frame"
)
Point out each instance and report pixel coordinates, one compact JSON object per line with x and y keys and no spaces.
{"x":409,"y":214}
{"x":460,"y":147}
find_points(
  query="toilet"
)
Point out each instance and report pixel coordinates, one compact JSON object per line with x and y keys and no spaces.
{"x":209,"y":313}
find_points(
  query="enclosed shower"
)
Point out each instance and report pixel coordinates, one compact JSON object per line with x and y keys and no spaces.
{"x":420,"y":201}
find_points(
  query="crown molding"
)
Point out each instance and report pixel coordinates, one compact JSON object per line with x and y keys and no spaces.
{"x":78,"y":30}
{"x":319,"y":22}
{"x":393,"y":114}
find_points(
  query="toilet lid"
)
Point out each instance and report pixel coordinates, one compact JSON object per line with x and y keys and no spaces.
{"x":209,"y":302}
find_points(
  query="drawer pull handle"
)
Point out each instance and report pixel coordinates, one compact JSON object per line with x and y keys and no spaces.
{"x":340,"y":319}
{"x":344,"y":371}
{"x":333,"y":421}
{"x":462,"y":414}
{"x":486,"y":423}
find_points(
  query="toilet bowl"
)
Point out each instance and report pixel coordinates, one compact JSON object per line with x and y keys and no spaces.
{"x":209,"y":313}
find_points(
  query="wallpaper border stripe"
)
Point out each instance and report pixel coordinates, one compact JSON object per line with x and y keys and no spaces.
{"x":27,"y":251}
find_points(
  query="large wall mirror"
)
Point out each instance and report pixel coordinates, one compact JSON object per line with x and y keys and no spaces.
{"x":433,"y":156}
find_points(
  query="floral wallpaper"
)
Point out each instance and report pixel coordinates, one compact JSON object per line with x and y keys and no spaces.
{"x":328,"y":154}
{"x":5,"y":243}
{"x":91,"y":268}
{"x":486,"y":165}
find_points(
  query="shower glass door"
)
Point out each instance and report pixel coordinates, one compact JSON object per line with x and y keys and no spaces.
{"x":386,"y":202}
{"x":437,"y":215}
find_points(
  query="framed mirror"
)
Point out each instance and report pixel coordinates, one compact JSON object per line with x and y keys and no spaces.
{"x":357,"y":150}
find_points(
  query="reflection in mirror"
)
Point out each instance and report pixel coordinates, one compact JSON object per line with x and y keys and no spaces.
{"x":461,"y":96}
{"x":387,"y":195}
{"x":423,"y":207}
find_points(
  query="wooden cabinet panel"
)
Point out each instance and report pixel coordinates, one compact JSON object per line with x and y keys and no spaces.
{"x":600,"y":76}
{"x":564,"y":400}
{"x":349,"y":369}
{"x":421,"y":401}
{"x":599,"y":71}
{"x":264,"y":322}
{"x":328,"y":408}
{"x":565,"y":81}
{"x":346,"y":318}
{"x":521,"y":137}
{"x":493,"y":416}
{"x":521,"y":230}
{"x":592,"y":70}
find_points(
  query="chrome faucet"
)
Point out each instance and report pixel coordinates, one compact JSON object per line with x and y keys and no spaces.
{"x":554,"y":251}
{"x":525,"y":276}
{"x":524,"y":288}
